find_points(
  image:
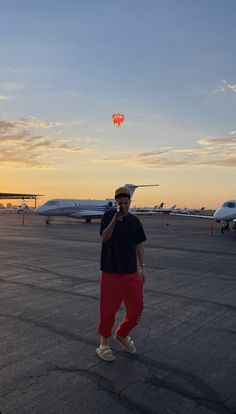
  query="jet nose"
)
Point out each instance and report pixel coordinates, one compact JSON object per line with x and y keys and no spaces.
{"x":38,"y":210}
{"x":219,"y":214}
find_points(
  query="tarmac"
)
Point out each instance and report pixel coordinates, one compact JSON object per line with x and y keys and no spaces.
{"x":49,"y":298}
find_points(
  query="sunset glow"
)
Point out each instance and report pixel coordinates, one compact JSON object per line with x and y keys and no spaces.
{"x":62,"y":76}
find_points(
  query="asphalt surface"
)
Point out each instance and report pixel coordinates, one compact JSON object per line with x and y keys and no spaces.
{"x":49,"y":297}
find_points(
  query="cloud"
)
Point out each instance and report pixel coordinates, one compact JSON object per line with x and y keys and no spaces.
{"x":224,"y":86}
{"x":20,"y":146}
{"x":34,"y":123}
{"x":30,"y":123}
{"x":24,"y":143}
{"x":4,"y":98}
{"x":5,"y":126}
{"x":214,"y":142}
{"x":232,"y":87}
{"x":12,"y":86}
{"x":207,"y":152}
{"x":7,"y":157}
{"x":155,"y":153}
{"x":219,"y":152}
{"x":113,"y":160}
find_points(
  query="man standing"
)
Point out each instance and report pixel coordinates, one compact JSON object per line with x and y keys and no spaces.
{"x":122,"y":236}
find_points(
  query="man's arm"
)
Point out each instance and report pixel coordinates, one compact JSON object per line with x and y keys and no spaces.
{"x":108,"y":231}
{"x":140,"y":254}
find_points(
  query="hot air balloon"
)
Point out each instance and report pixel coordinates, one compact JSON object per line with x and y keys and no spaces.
{"x":118,"y":119}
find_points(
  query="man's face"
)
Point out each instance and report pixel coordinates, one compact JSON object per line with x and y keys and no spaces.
{"x":123,"y":204}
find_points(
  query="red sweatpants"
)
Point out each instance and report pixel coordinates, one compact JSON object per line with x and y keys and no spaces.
{"x":116,"y":289}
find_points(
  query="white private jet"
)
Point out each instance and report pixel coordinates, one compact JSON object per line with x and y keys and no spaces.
{"x":81,"y":209}
{"x":225,"y":215}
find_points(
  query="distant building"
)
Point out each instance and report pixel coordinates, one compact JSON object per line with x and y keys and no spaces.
{"x":9,"y":205}
{"x":1,"y":205}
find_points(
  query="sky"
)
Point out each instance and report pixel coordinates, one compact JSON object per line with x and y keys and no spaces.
{"x":169,"y":66}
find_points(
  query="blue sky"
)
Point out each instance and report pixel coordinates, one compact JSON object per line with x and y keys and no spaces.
{"x":169,"y":66}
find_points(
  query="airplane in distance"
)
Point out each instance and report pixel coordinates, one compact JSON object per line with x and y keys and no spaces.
{"x":82,"y":209}
{"x":189,"y":210}
{"x":153,"y":210}
{"x":24,"y":208}
{"x":138,"y":210}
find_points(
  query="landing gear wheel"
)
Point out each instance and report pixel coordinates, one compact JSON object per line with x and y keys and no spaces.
{"x":48,"y":220}
{"x":224,"y":226}
{"x":88,"y":220}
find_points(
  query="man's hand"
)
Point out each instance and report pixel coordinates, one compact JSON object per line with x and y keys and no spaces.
{"x":107,"y":232}
{"x":142,"y":274}
{"x":114,"y":218}
{"x":117,"y":217}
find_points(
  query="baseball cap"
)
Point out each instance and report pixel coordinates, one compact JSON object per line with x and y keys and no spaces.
{"x":122,"y":192}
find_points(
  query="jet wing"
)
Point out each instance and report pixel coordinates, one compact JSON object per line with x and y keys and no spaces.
{"x":192,"y":215}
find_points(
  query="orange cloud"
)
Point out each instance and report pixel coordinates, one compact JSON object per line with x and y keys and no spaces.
{"x":21,"y":147}
{"x":206,"y":152}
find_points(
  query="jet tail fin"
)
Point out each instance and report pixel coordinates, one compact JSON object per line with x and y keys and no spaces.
{"x":132,"y":187}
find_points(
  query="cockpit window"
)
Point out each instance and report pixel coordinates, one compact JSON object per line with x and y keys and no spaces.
{"x":229,"y":204}
{"x":52,"y":203}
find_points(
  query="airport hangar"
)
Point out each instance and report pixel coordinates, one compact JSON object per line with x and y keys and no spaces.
{"x":19,"y":196}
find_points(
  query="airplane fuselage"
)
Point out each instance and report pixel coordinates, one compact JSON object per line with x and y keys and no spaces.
{"x":75,"y":208}
{"x":85,"y":209}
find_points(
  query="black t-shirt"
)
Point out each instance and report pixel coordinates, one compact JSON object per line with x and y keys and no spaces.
{"x":119,"y":253}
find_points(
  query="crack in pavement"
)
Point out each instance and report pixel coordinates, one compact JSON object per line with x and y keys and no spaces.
{"x":209,"y":398}
{"x":57,"y":274}
{"x":48,"y":289}
{"x":162,"y":292}
{"x":197,"y":274}
{"x":199,"y":384}
{"x":18,"y":389}
{"x":217,"y":406}
{"x":52,"y":329}
{"x":184,"y":249}
{"x":96,"y":298}
{"x":109,"y":388}
{"x":102,"y":383}
{"x":227,"y":331}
